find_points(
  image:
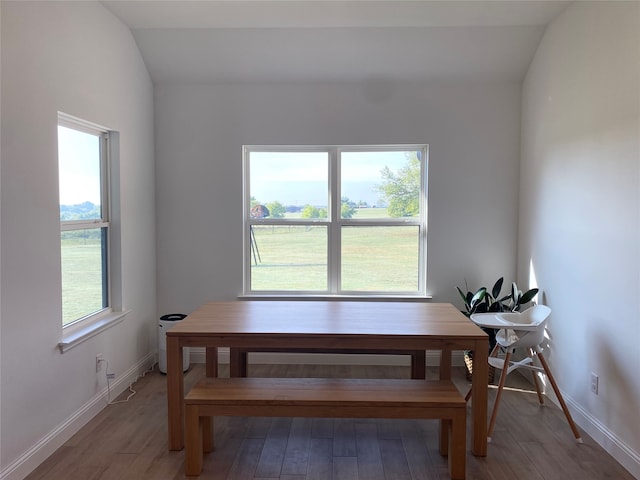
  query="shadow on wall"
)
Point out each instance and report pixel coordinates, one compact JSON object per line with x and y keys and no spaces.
{"x":624,"y":402}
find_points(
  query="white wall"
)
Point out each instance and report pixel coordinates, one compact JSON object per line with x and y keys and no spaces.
{"x":580,"y":208}
{"x":77,"y":58}
{"x":472,"y":130}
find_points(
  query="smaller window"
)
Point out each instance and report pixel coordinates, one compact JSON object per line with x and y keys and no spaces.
{"x":84,"y":219}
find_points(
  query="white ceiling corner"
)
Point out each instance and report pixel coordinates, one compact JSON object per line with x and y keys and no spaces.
{"x":330,"y":40}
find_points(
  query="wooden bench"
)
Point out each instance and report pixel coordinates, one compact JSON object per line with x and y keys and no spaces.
{"x":324,"y":397}
{"x":239,"y":357}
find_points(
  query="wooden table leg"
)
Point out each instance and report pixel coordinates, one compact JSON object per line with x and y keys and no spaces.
{"x":175,"y":393}
{"x":238,"y":360}
{"x":479,"y":388}
{"x":418,"y":365}
{"x":445,"y":364}
{"x":211,"y":355}
{"x":445,"y":374}
{"x":211,"y":370}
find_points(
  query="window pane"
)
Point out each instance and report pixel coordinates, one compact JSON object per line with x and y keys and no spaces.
{"x":79,"y":166}
{"x":83,"y":270}
{"x":380,"y":184}
{"x":289,"y":258}
{"x":288,"y":181}
{"x":380,"y":258}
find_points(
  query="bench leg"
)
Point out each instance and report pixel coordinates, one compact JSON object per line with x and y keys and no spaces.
{"x":192,"y":441}
{"x":207,"y":434}
{"x":458,"y":445}
{"x":445,"y":374}
{"x":445,"y":437}
{"x":418,"y":365}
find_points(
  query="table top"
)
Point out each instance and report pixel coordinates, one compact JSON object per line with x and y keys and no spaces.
{"x":328,"y":318}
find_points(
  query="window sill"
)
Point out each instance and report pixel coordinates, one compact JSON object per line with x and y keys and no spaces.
{"x":75,"y":337}
{"x":355,"y":298}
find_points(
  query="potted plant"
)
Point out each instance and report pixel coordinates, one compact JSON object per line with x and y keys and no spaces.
{"x":485,"y":301}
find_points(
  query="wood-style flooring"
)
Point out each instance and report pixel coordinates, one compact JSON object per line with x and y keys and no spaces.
{"x":128,"y":441}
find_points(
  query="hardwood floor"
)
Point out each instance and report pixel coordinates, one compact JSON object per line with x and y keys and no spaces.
{"x":128,"y":441}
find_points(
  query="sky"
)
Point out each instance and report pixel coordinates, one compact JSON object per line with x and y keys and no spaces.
{"x":79,"y":167}
{"x":292,"y":178}
{"x":300,"y":178}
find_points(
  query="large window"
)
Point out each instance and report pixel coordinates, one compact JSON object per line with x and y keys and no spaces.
{"x":84,"y":219}
{"x":338,"y":220}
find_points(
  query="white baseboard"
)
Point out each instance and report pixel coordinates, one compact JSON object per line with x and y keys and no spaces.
{"x":197,"y":355}
{"x":38,"y":453}
{"x":608,"y":440}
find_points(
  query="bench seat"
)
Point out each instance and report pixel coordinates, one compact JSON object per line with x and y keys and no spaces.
{"x":323,"y":397}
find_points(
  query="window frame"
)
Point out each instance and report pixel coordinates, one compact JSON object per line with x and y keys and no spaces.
{"x":335,"y":223}
{"x":97,"y":317}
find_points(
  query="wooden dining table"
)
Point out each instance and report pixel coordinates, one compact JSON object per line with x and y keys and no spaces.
{"x":331,"y":325}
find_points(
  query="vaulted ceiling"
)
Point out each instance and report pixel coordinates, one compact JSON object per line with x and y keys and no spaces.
{"x":336,"y":41}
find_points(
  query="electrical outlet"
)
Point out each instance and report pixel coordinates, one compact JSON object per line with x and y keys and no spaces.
{"x":99,"y":360}
{"x":594,"y":383}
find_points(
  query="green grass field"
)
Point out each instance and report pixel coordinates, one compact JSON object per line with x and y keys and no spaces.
{"x":373,"y":258}
{"x":290,"y":258}
{"x":81,"y":278}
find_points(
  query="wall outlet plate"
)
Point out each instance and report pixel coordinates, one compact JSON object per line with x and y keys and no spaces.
{"x":99,"y":360}
{"x":594,"y":383}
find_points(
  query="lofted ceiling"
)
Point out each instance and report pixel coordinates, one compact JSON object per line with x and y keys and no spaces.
{"x":239,"y":41}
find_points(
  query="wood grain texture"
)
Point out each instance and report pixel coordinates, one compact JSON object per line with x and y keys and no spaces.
{"x":383,"y":393}
{"x":283,"y":318}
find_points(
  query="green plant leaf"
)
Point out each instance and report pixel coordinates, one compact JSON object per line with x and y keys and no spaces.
{"x":495,"y":307}
{"x":495,"y":291}
{"x":478,"y":297}
{"x":462,"y":295}
{"x":528,"y":295}
{"x":466,"y":299}
{"x":505,"y":298}
{"x":481,"y":308}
